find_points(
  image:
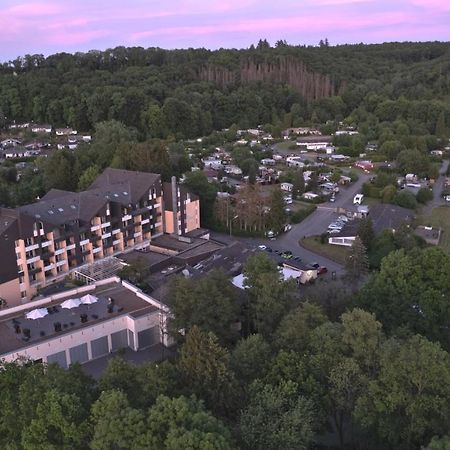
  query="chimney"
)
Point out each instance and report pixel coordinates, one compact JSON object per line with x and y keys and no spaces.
{"x":175,"y":206}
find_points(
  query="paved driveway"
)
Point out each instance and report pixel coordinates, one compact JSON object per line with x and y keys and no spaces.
{"x":315,"y":224}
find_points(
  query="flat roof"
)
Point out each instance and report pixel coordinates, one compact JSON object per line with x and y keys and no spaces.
{"x":151,"y":258}
{"x":125,"y":302}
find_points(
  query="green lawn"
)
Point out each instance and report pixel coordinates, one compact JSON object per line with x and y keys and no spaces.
{"x":440,"y":217}
{"x":336,"y":253}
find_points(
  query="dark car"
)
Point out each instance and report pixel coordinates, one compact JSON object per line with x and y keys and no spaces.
{"x":297,"y":258}
{"x":314,"y":265}
{"x":268,"y":249}
{"x":321,"y":270}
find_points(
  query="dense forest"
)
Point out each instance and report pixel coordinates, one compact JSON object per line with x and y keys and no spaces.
{"x":189,"y":93}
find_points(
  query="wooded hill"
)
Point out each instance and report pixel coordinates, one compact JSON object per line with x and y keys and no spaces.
{"x":187,"y":93}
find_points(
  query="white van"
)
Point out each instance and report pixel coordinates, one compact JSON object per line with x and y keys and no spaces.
{"x":357,"y":200}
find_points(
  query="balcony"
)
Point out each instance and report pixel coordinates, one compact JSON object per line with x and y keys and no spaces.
{"x":61,"y":263}
{"x":84,"y":242}
{"x":31,"y":247}
{"x":47,"y":255}
{"x":46,"y":244}
{"x":127,"y":217}
{"x":106,"y":224}
{"x":60,"y":251}
{"x":97,"y":250}
{"x":34,"y":271}
{"x":33,"y":260}
{"x":95,"y":227}
{"x":70,"y":247}
{"x":49,"y":267}
{"x":106,"y":235}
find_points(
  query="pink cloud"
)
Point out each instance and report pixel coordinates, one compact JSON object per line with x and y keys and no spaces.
{"x":302,"y":23}
{"x":34,"y":9}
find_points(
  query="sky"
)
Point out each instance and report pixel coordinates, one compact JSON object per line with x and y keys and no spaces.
{"x":51,"y":26}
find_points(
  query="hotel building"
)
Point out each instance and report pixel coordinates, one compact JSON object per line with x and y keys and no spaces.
{"x":122,"y":210}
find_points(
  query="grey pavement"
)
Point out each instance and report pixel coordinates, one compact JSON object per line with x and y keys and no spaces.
{"x":438,"y":187}
{"x":156,"y":353}
{"x":315,"y":224}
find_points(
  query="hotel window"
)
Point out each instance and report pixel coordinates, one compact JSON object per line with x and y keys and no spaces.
{"x":23,"y":294}
{"x":28,"y":241}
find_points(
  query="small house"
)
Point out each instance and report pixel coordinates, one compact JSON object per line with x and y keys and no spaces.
{"x":287,"y":187}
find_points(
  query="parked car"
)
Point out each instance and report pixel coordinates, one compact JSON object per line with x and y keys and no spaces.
{"x":314,"y":265}
{"x":287,"y":254}
{"x":268,"y":249}
{"x":322,"y":270}
{"x":332,"y":199}
{"x":297,"y":258}
{"x":262,"y":247}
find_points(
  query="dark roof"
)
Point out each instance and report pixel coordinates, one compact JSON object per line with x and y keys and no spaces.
{"x":386,"y":216}
{"x":135,"y":184}
{"x":122,"y":186}
{"x":126,"y":302}
{"x":59,"y":208}
{"x":314,"y":138}
{"x":231,"y":259}
{"x":349,"y":229}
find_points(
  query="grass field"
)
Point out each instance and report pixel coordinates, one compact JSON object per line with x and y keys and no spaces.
{"x":336,"y":253}
{"x":440,"y":217}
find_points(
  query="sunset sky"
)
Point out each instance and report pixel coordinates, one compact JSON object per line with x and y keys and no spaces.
{"x":50,"y":26}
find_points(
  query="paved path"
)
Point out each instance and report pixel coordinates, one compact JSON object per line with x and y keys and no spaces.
{"x":315,"y":224}
{"x":438,"y":187}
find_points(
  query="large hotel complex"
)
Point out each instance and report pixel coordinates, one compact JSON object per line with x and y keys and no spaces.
{"x":122,"y":210}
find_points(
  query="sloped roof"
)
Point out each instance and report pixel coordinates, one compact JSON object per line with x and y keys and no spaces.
{"x":136,"y":184}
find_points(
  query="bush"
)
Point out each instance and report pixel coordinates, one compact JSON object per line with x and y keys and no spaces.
{"x":405,"y":199}
{"x":424,"y":195}
{"x":353,"y":174}
{"x":369,"y":190}
{"x":388,"y":194}
{"x":302,"y":214}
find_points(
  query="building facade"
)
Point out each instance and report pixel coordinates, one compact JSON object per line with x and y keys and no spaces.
{"x":122,"y":210}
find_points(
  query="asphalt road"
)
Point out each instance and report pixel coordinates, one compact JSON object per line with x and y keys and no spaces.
{"x":438,"y":187}
{"x":313,"y":225}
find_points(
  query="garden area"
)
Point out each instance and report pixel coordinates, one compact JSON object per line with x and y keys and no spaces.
{"x":439,"y":217}
{"x":320,"y":246}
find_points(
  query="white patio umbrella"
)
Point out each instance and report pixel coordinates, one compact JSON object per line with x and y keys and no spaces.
{"x":38,"y":313}
{"x":71,"y":303}
{"x":88,"y":299}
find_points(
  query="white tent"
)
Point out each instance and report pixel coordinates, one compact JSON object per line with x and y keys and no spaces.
{"x":37,"y":313}
{"x":88,"y":299}
{"x":71,"y":303}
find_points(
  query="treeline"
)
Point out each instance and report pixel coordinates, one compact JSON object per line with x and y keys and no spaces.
{"x":160,"y":92}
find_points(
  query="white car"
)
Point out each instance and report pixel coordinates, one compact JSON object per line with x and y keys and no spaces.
{"x":262,"y":247}
{"x":357,"y":200}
